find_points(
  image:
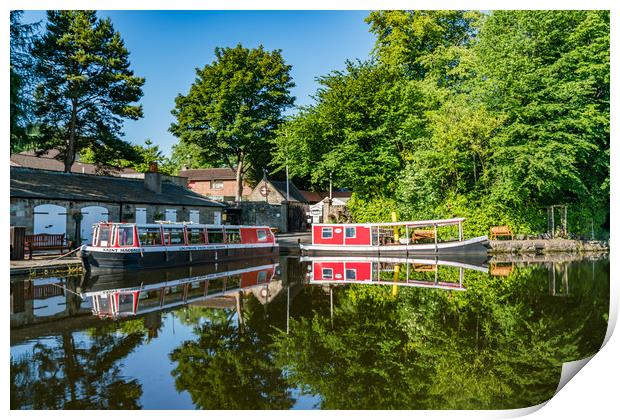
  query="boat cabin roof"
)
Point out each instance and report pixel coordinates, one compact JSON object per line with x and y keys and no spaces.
{"x":417,"y":223}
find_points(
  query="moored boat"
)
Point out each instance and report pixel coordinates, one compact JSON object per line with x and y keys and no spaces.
{"x":131,"y":246}
{"x":393,"y":238}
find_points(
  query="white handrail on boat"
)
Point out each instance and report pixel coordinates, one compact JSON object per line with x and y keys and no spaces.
{"x":417,"y":223}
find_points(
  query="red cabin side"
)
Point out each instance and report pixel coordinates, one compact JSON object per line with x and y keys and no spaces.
{"x":358,"y":271}
{"x":328,"y":270}
{"x":327,"y":235}
{"x":255,"y":277}
{"x":257,"y":236}
{"x":357,"y":235}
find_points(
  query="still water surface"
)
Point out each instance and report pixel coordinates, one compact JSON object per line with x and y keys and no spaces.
{"x":291,"y":334}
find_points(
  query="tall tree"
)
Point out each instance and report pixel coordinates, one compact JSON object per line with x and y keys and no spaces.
{"x":87,"y":87}
{"x":22,"y":36}
{"x":234,"y":107}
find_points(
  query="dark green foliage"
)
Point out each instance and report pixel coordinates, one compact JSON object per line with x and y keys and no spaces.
{"x":234,"y":107}
{"x":86,"y":87}
{"x":491,"y":117}
{"x":229,"y":366}
{"x":22,"y":80}
{"x":500,"y":344}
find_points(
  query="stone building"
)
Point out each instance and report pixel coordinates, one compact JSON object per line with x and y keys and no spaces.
{"x":215,"y":183}
{"x":57,"y":202}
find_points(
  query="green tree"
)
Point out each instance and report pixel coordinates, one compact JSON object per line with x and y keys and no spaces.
{"x":189,"y":156}
{"x":86,"y":87}
{"x":234,"y":107}
{"x":22,"y":80}
{"x":139,"y":157}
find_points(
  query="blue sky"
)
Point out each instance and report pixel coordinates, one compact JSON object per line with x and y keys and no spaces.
{"x":166,"y":46}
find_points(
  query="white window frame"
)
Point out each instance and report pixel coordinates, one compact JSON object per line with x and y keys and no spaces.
{"x":141,"y":210}
{"x":215,"y":183}
{"x":173,"y":211}
{"x":327,"y":229}
{"x":196,"y":212}
{"x":324,"y":276}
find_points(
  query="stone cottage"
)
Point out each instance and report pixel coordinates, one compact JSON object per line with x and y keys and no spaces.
{"x":56,"y":202}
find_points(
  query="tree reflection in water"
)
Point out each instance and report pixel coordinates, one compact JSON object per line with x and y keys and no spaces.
{"x":499,"y":345}
{"x":74,"y":371}
{"x":230,"y":365}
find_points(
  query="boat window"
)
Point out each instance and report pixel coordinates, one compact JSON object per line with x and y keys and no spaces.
{"x":195,"y":236}
{"x":126,"y":302}
{"x":215,"y":236}
{"x":351,"y":274}
{"x":261,"y":234}
{"x":233,"y":236}
{"x":328,"y":274}
{"x":174,"y":236}
{"x":149,"y":236}
{"x":262,"y":276}
{"x":104,"y":235}
{"x":326,"y":233}
{"x":349,"y":232}
{"x":125,"y":235}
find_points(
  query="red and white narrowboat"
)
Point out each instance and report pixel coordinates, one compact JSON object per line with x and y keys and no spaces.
{"x":167,"y":294}
{"x":389,"y":271}
{"x":394,"y":238}
{"x":131,"y":246}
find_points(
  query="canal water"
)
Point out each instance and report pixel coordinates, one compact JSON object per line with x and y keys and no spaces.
{"x":307,"y":334}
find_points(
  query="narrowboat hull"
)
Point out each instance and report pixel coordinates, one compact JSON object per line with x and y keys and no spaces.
{"x":474,"y":246}
{"x":114,"y":259}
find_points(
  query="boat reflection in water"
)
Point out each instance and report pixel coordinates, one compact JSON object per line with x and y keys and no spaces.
{"x":125,"y":294}
{"x":414,"y":272}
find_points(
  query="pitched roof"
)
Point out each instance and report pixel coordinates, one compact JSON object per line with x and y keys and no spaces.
{"x":48,"y":163}
{"x":208,"y":174}
{"x":294,"y":193}
{"x":35,"y":183}
{"x":316,"y":196}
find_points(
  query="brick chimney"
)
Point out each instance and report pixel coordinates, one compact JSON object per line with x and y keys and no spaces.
{"x":152,"y":179}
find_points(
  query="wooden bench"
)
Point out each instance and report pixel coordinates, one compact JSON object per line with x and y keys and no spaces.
{"x":45,"y":241}
{"x":423,"y":234}
{"x":500,"y":231}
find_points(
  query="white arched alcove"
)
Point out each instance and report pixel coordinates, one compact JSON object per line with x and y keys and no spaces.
{"x":50,"y":218}
{"x":90,"y":216}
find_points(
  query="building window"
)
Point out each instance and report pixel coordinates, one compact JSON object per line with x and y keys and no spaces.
{"x":140,"y":215}
{"x":328,"y":274}
{"x":194,"y":216}
{"x":171,"y":215}
{"x":351,"y":274}
{"x":217,"y":184}
{"x":327,"y":233}
{"x":349,"y":232}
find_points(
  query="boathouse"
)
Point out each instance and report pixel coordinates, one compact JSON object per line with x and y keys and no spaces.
{"x":55,"y":202}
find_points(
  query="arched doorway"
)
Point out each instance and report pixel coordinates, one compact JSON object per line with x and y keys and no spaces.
{"x":50,"y":218}
{"x":90,"y":216}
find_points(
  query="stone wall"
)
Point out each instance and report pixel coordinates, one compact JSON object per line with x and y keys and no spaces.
{"x":261,"y":213}
{"x":22,"y":212}
{"x":273,"y":196}
{"x":543,"y":246}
